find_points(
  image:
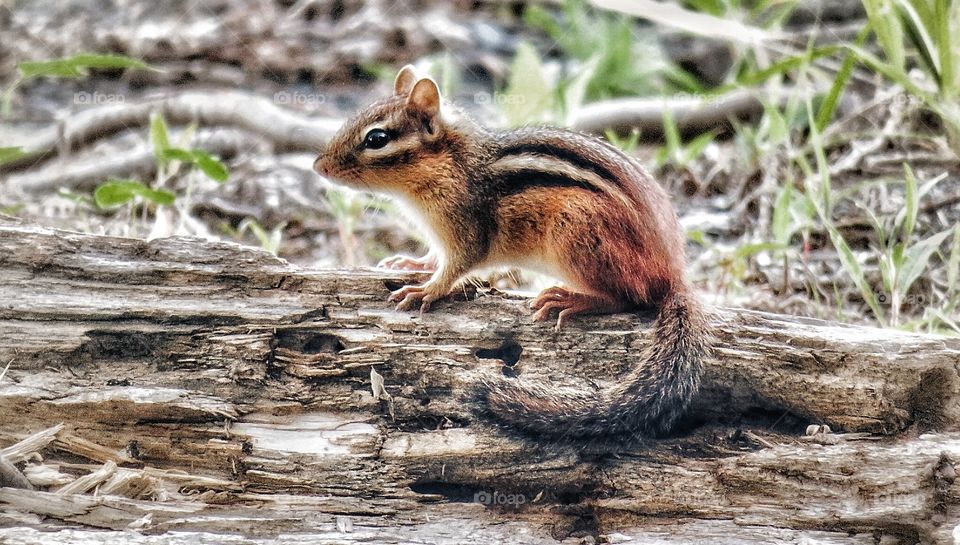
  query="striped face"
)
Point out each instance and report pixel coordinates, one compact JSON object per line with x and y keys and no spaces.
{"x":388,"y":146}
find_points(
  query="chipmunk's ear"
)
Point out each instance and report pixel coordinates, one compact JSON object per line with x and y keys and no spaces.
{"x":406,"y":77}
{"x":424,"y":99}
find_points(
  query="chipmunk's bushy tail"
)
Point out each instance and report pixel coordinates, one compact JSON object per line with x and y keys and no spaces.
{"x":648,"y":401}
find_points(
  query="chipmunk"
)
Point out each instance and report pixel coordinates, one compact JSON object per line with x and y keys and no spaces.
{"x":550,"y":200}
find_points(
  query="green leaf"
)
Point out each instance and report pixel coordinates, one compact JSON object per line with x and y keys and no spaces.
{"x":113,"y":193}
{"x":177,"y":154}
{"x":9,"y":155}
{"x":537,"y":16}
{"x":214,"y":169}
{"x":916,"y":257}
{"x":77,"y":65}
{"x":698,"y":237}
{"x":159,"y":136}
{"x":528,"y":96}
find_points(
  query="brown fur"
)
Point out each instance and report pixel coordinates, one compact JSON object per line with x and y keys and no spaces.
{"x":552,"y":200}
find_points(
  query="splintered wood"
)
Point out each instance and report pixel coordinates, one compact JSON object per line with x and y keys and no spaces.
{"x":189,"y":390}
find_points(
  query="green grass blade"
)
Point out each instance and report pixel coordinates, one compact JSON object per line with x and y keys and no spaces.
{"x":59,"y":68}
{"x":674,"y":15}
{"x":781,"y":221}
{"x":907,"y":218}
{"x":953,"y":266}
{"x":77,"y":65}
{"x":823,"y":167}
{"x":159,"y":136}
{"x":916,"y":27}
{"x":945,"y":16}
{"x":854,"y":270}
{"x":917,"y":256}
{"x":829,"y":105}
{"x":671,"y":135}
{"x":787,"y":65}
{"x":11,"y":154}
{"x":886,"y":25}
{"x":696,"y":146}
{"x":890,"y":71}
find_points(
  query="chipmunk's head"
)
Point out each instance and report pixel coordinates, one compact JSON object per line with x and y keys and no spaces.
{"x":396,"y":144}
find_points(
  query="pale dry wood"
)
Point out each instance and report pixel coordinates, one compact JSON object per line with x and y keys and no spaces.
{"x":83,"y":171}
{"x":234,"y":379}
{"x":285,"y":128}
{"x":11,"y":476}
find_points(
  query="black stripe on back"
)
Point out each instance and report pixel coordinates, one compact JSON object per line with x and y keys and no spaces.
{"x":559,"y":152}
{"x":485,"y":196}
{"x":512,"y":182}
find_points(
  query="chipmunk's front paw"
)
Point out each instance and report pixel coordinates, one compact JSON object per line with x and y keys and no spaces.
{"x":405,"y":263}
{"x":407,"y":298}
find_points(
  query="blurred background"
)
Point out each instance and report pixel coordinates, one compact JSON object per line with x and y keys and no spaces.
{"x":811,"y":146}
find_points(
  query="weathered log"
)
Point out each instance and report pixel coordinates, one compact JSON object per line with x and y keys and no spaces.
{"x":213,"y":381}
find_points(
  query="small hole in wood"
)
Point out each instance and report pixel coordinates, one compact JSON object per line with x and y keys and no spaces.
{"x":508,"y":352}
{"x":309,"y":342}
{"x":120,"y":344}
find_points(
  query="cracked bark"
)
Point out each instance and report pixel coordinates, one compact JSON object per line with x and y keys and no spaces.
{"x":227,"y":392}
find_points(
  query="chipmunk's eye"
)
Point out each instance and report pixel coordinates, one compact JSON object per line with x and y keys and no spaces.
{"x":376,"y":139}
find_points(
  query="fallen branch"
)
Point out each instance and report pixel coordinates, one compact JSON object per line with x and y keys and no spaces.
{"x":692,"y":114}
{"x":84,"y":171}
{"x":287,"y":130}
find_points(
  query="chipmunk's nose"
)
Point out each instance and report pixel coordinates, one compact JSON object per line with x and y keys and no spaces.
{"x":322,"y":165}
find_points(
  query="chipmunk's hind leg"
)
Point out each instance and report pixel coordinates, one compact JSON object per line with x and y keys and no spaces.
{"x":571,"y":303}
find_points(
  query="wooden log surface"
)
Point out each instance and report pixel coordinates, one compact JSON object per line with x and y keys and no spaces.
{"x":212,"y":390}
